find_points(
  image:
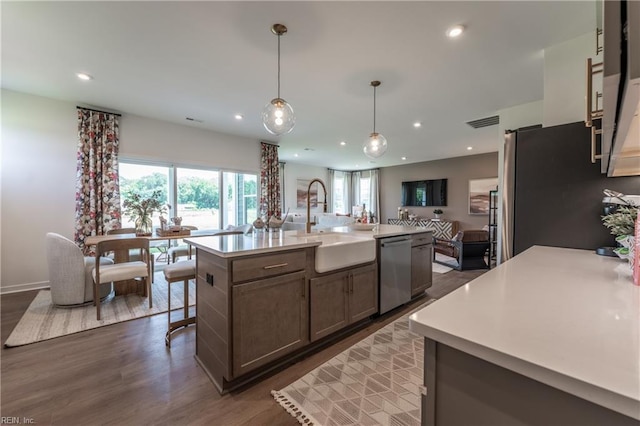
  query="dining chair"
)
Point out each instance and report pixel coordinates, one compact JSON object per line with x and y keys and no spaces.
{"x":133,"y":254}
{"x":136,"y":269}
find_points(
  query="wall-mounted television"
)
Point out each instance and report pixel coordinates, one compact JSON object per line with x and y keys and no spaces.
{"x":424,"y":193}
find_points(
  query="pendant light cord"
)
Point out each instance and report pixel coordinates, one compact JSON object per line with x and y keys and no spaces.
{"x":374,"y":109}
{"x":279,"y":66}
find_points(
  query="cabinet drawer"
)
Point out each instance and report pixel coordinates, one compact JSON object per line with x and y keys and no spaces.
{"x":267,"y":265}
{"x":421,"y":239}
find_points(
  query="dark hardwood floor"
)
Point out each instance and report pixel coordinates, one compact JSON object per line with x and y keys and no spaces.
{"x":123,"y":374}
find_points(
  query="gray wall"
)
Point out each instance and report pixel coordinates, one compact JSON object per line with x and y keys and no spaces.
{"x":457,"y":170}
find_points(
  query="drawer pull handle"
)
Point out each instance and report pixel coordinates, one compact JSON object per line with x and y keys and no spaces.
{"x":279,"y":265}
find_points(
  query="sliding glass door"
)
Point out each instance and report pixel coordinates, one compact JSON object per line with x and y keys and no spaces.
{"x":143,"y":179}
{"x":198,"y":196}
{"x":205,"y":198}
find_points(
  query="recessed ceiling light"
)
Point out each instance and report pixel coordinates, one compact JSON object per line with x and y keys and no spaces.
{"x":295,"y":155}
{"x":84,"y":76}
{"x":357,"y":165}
{"x":469,"y":148}
{"x":403,"y":158}
{"x":417,"y":124}
{"x":455,"y":31}
{"x":239,"y":116}
{"x":343,"y":143}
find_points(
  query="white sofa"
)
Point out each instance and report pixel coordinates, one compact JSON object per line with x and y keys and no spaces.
{"x":324,"y":220}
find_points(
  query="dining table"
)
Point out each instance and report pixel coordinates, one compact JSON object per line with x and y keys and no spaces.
{"x":133,"y":286}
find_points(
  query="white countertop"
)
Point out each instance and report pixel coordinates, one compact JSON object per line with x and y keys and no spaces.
{"x":242,"y":245}
{"x":568,"y":318}
{"x":384,"y":231}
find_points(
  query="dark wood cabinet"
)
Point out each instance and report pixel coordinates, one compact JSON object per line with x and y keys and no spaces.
{"x":363,"y":300}
{"x":269,"y":320}
{"x":250,"y":311}
{"x":421,"y":264}
{"x":342,"y":298}
{"x":329,"y":309}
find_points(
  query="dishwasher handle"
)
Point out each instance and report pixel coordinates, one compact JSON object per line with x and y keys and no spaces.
{"x":396,"y":243}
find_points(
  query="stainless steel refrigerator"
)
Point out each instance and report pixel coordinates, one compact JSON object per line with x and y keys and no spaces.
{"x":552,"y":192}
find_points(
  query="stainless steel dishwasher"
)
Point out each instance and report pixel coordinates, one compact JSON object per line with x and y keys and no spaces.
{"x":395,"y":272}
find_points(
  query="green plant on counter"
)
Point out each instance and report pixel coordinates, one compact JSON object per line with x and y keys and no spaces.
{"x":437,"y":211}
{"x":622,"y":222}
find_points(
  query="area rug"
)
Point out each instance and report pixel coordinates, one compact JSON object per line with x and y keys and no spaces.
{"x":443,"y":269}
{"x":43,"y":321}
{"x":374,"y":382}
{"x":438,"y":268}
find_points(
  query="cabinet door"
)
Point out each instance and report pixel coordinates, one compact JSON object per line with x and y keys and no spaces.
{"x":329,"y":311}
{"x":363,"y":292}
{"x":421,"y":268}
{"x":270,"y":319}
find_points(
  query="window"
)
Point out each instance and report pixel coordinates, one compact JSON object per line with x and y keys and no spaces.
{"x":143,"y":179}
{"x":241,"y":200}
{"x":198,"y":198}
{"x":338,"y":193}
{"x":207,"y":199}
{"x":365,"y":193}
{"x":350,"y":190}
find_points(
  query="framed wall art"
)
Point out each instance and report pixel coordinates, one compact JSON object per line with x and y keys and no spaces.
{"x":301,"y":193}
{"x":479,"y":194}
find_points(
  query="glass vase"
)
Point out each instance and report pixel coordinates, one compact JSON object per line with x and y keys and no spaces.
{"x":144,"y":225}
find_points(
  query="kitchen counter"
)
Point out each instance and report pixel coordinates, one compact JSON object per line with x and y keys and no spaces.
{"x":567,"y":318}
{"x":240,"y":245}
{"x":384,"y":231}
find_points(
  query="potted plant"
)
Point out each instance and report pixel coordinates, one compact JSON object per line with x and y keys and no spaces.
{"x":622,"y":225}
{"x":437,"y":212}
{"x":141,"y":210}
{"x":622,"y":222}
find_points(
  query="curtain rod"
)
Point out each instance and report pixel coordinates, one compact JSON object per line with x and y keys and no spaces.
{"x":97,"y":110}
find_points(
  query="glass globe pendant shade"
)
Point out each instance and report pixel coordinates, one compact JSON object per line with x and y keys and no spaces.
{"x":278,"y":117}
{"x":375,"y":146}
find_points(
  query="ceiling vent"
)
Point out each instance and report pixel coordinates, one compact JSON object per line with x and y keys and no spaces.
{"x":484,"y":122}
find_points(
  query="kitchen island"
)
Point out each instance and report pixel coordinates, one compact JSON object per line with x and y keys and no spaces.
{"x":551,"y":336}
{"x":264,"y":299}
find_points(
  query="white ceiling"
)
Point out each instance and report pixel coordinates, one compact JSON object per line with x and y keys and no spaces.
{"x":211,"y":60}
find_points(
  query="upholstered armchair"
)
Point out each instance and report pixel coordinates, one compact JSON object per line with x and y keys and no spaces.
{"x":70,"y":272}
{"x":467,"y":247}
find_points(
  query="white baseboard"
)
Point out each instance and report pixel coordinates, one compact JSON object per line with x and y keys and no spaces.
{"x":24,"y":287}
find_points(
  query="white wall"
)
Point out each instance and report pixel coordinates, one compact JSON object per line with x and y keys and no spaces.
{"x":144,"y":138}
{"x":39,"y":138}
{"x":38,"y":174}
{"x":295,"y":171}
{"x":565,"y":80}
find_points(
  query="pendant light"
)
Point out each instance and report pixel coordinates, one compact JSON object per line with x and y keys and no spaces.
{"x":376,"y":145}
{"x":277,"y":116}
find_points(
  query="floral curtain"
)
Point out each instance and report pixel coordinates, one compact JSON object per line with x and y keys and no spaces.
{"x":97,"y":184}
{"x":270,"y":203}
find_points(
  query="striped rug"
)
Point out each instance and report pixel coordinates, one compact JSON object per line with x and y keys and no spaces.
{"x":43,"y":321}
{"x":374,"y":382}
